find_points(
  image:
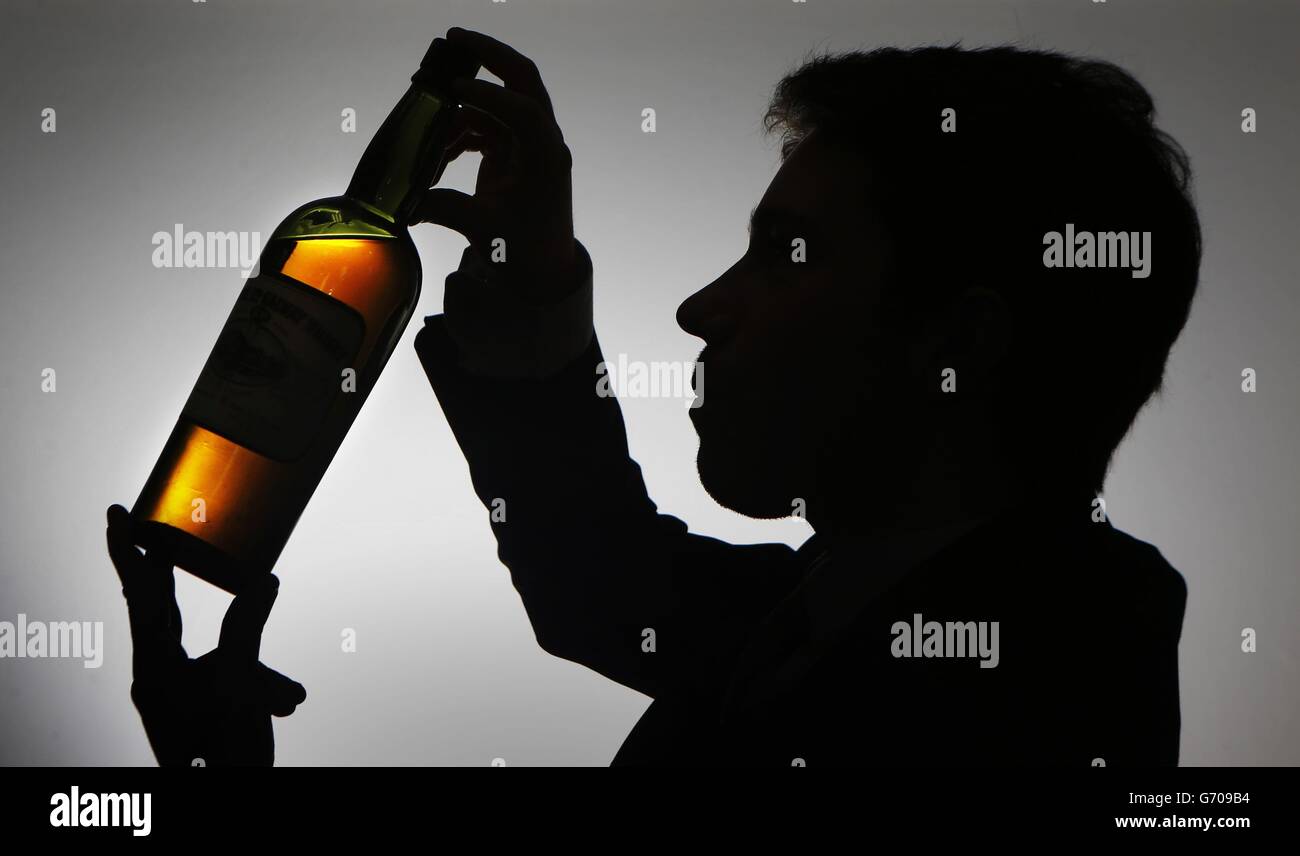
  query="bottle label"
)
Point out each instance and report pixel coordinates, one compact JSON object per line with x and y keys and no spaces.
{"x":277,"y":367}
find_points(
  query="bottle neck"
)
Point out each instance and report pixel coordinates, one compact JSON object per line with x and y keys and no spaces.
{"x":404,"y":155}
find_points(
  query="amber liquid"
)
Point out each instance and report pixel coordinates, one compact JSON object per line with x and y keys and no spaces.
{"x":222,"y":501}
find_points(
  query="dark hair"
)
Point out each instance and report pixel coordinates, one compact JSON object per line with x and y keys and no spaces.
{"x":1042,"y":139}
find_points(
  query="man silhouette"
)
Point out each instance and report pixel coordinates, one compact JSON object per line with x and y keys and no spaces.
{"x":942,"y":403}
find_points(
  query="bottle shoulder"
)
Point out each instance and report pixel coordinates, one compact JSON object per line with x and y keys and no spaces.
{"x":339,"y":217}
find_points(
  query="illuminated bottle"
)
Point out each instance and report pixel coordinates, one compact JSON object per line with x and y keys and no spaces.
{"x":336,"y":285}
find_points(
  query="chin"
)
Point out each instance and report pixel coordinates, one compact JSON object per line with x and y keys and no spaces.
{"x":740,"y":483}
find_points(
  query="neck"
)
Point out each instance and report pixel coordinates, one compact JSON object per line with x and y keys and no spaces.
{"x":949,"y":480}
{"x":403,"y":158}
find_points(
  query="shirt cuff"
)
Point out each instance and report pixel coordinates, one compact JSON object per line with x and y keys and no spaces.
{"x":498,"y":335}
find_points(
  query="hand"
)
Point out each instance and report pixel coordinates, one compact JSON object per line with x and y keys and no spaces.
{"x":217,"y":708}
{"x":524,"y":192}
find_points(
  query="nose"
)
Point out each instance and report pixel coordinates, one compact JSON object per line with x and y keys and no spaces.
{"x":705,"y":313}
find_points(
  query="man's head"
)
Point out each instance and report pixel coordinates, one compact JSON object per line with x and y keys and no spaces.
{"x":894,"y":304}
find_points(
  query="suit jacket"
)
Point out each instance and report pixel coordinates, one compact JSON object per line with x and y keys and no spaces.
{"x":733,"y":642}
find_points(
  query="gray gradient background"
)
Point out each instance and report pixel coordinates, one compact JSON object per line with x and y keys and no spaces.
{"x":225,"y":115}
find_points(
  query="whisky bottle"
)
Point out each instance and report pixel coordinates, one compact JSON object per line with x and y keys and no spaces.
{"x":335,"y":287}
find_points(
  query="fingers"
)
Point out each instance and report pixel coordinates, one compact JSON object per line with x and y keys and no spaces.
{"x":241,"y":629}
{"x":150,"y":590}
{"x":453,"y":209}
{"x":127,"y":560}
{"x":227,"y":684}
{"x":159,"y":567}
{"x":516,"y":71}
{"x":283,"y":694}
{"x":521,"y":114}
{"x":474,"y":130}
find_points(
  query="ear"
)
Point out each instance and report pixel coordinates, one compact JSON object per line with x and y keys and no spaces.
{"x":972,"y":336}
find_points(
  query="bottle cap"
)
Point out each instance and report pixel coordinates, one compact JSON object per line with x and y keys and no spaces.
{"x":443,"y":62}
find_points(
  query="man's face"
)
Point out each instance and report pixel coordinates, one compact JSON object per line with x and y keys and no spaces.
{"x":795,"y":367}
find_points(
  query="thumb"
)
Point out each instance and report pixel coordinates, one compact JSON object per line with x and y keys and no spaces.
{"x":454,"y":209}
